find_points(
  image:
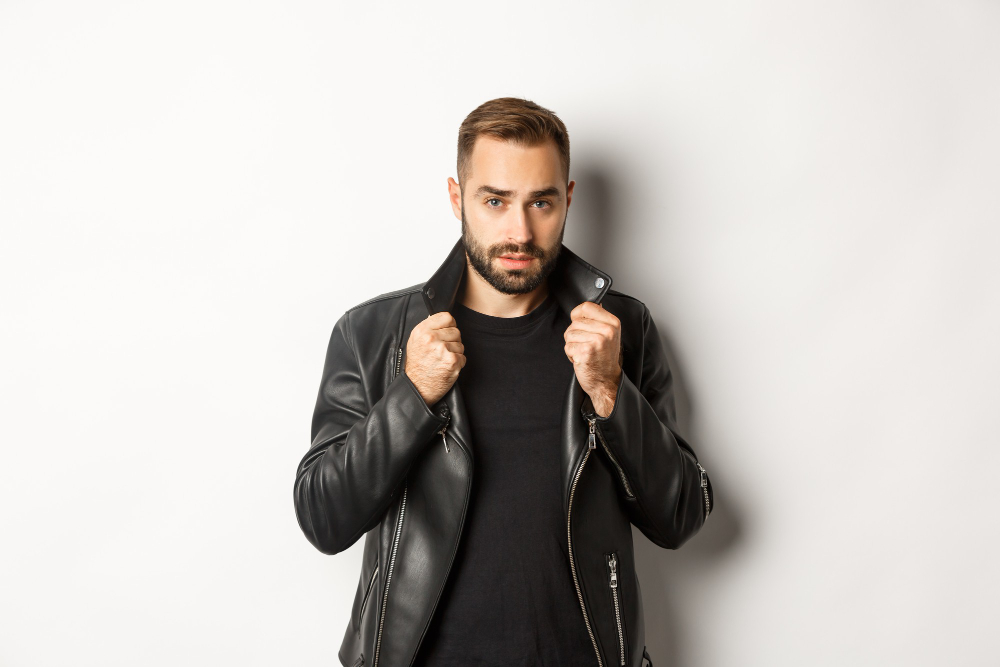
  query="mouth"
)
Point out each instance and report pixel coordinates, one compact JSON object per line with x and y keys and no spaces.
{"x":516,"y":260}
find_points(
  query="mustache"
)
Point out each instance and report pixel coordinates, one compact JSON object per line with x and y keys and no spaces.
{"x":532,"y":251}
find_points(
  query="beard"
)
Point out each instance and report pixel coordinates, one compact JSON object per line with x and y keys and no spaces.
{"x":510,"y":281}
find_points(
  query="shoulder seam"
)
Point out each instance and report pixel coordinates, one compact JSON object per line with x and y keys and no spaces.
{"x":388,"y":295}
{"x":627,"y":296}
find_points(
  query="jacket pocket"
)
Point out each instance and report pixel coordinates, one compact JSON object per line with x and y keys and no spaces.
{"x":364,"y":602}
{"x":612,"y":562}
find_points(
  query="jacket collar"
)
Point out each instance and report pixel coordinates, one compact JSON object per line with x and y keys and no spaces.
{"x":571,"y":282}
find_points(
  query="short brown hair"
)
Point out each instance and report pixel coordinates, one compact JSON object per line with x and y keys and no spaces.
{"x":511,"y":119}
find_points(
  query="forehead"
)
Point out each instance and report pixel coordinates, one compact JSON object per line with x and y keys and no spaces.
{"x":508,"y":165}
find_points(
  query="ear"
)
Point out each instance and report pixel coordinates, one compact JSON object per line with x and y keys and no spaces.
{"x":455,"y":195}
{"x":569,"y":192}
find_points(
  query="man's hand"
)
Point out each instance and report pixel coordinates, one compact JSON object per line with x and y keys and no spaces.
{"x":593,"y":343}
{"x":434,"y":356}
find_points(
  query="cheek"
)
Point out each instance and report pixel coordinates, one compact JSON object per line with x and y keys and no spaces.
{"x":549,"y":223}
{"x":483,"y":227}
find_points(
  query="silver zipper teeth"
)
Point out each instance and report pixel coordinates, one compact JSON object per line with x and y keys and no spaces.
{"x":395,"y":540}
{"x":388,"y":578}
{"x":621,"y":473}
{"x":368,"y":592}
{"x":613,"y":565}
{"x":572,"y":566}
{"x":704,"y":488}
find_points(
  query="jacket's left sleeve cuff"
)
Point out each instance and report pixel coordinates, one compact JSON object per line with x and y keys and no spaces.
{"x":659,"y":466}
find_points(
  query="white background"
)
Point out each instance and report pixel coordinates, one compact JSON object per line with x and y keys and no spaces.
{"x":805,"y":195}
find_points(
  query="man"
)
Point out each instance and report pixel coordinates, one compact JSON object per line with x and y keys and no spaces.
{"x":494,"y":431}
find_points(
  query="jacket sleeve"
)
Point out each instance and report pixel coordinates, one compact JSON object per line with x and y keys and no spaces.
{"x":359,"y":455}
{"x":665,"y":497}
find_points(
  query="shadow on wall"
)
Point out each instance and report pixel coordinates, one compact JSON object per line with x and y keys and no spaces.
{"x":596,"y":218}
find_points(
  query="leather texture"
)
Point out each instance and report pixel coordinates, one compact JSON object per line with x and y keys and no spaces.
{"x":378,"y":467}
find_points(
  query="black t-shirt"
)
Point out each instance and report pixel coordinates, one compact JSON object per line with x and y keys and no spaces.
{"x":509,"y":599}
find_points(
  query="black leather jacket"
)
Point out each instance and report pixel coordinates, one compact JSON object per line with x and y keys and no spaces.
{"x":385,"y":465}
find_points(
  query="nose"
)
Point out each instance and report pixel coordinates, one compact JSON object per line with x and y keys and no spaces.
{"x":518,"y":230}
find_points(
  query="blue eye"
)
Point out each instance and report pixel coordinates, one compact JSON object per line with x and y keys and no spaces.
{"x":493,"y":199}
{"x":543,"y":204}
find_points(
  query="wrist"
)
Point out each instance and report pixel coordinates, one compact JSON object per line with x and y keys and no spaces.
{"x":607,"y":396}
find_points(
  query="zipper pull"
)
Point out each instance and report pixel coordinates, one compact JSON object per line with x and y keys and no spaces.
{"x":704,"y":479}
{"x":613,"y":564}
{"x":443,"y":429}
{"x":591,"y":439}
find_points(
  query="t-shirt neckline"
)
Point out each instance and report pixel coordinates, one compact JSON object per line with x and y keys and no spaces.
{"x":505,"y":325}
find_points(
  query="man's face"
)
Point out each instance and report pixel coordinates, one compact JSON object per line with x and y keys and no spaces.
{"x":513,"y":206}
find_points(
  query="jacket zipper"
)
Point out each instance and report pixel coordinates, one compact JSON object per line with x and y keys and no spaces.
{"x":569,"y":538}
{"x":621,"y":473}
{"x":704,"y":488}
{"x":368,"y":592}
{"x":613,"y":583}
{"x":399,"y":528}
{"x":388,"y":578}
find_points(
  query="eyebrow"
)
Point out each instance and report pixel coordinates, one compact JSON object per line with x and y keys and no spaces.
{"x":489,"y":189}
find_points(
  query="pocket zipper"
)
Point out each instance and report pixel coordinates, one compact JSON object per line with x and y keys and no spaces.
{"x":442,"y":430}
{"x":704,"y":489}
{"x":613,"y":584}
{"x":399,"y":358}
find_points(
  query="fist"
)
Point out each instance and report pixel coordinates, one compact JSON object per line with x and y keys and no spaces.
{"x":593,"y":345}
{"x":434,"y":356}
